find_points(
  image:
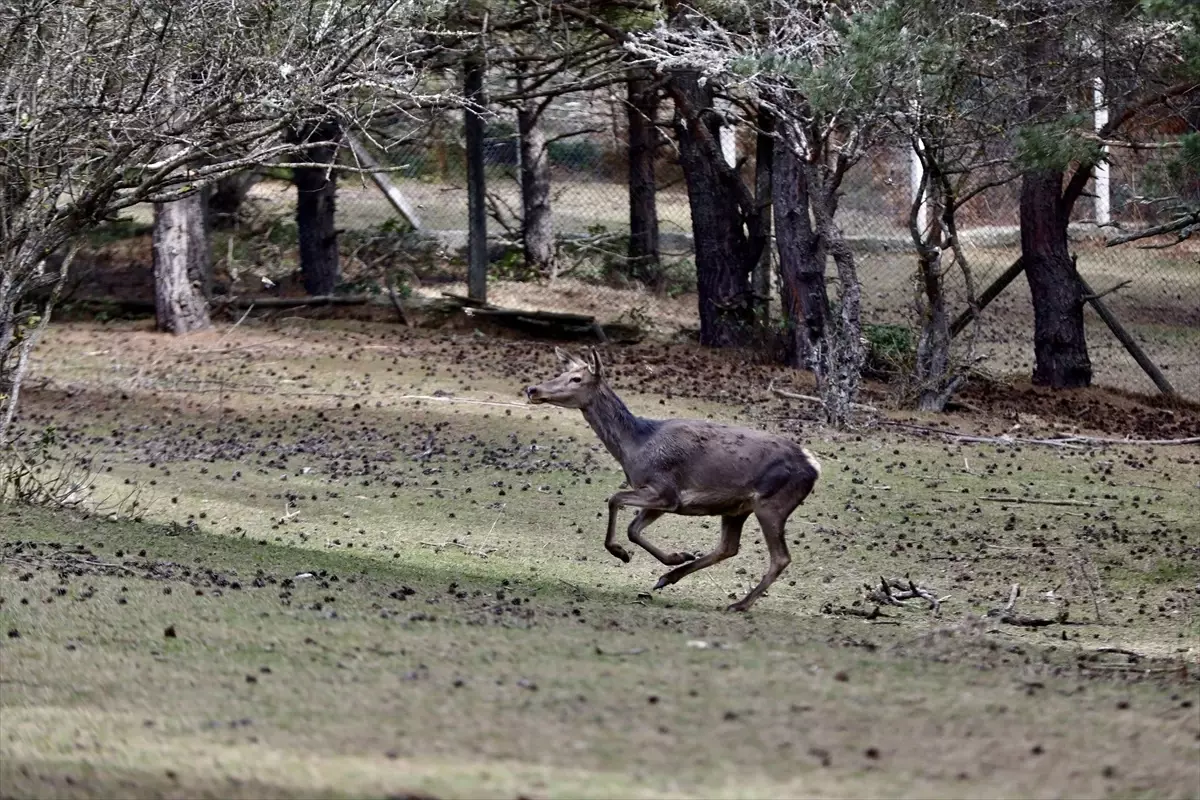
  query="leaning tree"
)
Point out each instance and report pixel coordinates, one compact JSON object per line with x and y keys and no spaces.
{"x":1064,"y":47}
{"x":113,"y":103}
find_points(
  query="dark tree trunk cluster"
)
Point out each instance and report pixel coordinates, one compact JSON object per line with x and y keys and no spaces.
{"x":316,"y":196}
{"x":726,"y":225}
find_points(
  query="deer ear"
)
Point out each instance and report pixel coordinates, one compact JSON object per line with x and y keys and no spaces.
{"x":563,"y":356}
{"x":595,"y":364}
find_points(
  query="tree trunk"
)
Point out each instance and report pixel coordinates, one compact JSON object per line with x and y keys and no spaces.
{"x":182,"y":261}
{"x":644,"y":258}
{"x":933,"y":346}
{"x":764,"y":159}
{"x":316,"y":194}
{"x":226,"y":197}
{"x":839,"y":389}
{"x":801,"y":264}
{"x":537,"y":230}
{"x":1059,"y":343}
{"x":23,"y":319}
{"x":477,"y":256}
{"x":725,"y":255}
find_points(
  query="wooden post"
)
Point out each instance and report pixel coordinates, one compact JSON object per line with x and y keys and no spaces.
{"x":383,"y":182}
{"x":1135,"y":350}
{"x":989,"y":294}
{"x":476,"y":182}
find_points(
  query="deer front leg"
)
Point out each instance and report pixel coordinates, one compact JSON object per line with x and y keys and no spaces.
{"x":653,"y":502}
{"x":727,"y":547}
{"x":640,"y":523}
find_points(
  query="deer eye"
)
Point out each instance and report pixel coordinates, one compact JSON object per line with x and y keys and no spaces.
{"x":576,"y":379}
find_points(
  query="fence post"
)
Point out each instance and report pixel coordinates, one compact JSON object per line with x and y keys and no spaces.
{"x":477,"y":260}
{"x":1139,"y":355}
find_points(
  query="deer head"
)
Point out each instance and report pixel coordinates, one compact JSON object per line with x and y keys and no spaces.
{"x":575,"y":387}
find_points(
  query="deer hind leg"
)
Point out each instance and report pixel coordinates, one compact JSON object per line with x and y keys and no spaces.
{"x":640,"y":523}
{"x":731,"y":537}
{"x":772,"y":513}
{"x":653,"y":502}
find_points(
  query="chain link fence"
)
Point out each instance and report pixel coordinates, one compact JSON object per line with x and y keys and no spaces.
{"x":1154,"y":293}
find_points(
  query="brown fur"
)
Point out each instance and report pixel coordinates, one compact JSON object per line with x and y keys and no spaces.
{"x":689,"y":467}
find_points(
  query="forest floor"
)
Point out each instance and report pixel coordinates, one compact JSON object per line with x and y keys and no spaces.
{"x":343,"y":559}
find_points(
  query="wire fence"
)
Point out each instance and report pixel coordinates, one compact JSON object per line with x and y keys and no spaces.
{"x":1156,"y":296}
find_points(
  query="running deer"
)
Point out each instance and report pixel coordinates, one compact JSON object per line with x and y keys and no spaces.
{"x":689,"y":467}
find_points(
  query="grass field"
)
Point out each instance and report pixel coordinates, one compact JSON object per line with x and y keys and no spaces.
{"x":339,"y":589}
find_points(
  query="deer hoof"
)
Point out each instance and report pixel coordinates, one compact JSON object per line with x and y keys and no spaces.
{"x":740,"y":605}
{"x":620,"y":553}
{"x":662,"y":582}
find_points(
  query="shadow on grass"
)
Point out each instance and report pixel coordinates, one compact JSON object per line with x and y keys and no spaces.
{"x":199,"y":549}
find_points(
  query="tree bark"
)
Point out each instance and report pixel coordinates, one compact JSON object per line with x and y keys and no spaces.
{"x":477,"y":257}
{"x":727,"y":240}
{"x":933,"y":345}
{"x":316,"y":195}
{"x":801,"y":264}
{"x":644,"y":258}
{"x":764,"y":159}
{"x":839,"y":386}
{"x":182,"y":265}
{"x":537,"y":230}
{"x":1059,"y":343}
{"x":227,"y":196}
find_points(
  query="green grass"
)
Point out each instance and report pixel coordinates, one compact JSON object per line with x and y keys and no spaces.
{"x":589,"y":686}
{"x":365,"y":695}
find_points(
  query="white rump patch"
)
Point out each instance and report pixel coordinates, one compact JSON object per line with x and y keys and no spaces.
{"x":812,"y":459}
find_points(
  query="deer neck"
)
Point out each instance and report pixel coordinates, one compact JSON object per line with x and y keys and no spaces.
{"x":620,"y":431}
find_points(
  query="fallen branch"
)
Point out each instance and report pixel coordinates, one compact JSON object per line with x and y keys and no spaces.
{"x":55,"y":560}
{"x":1155,"y":442}
{"x":968,"y":438}
{"x":1062,"y":441}
{"x":297,"y":302}
{"x":846,"y":611}
{"x":1009,"y":616}
{"x":895,"y":592}
{"x":1181,"y":669}
{"x":483,"y":552}
{"x":785,"y":394}
{"x":438,"y":399}
{"x":1035,"y":501}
